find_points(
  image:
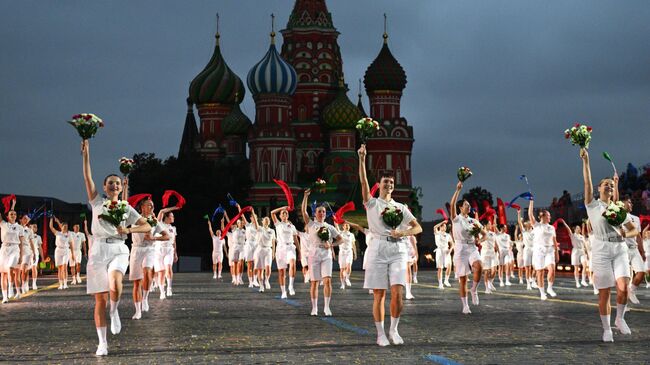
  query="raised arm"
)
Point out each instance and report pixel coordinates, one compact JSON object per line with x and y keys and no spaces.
{"x":54,"y":230}
{"x":222,"y":225}
{"x":303,"y":206}
{"x":253,"y":219}
{"x":363,"y":178}
{"x":125,"y":189}
{"x":243,"y":215}
{"x":454,"y":199}
{"x":616,"y":196}
{"x":437,"y":226}
{"x":164,"y":211}
{"x":586,"y":176}
{"x":355,"y":226}
{"x":274,"y":213}
{"x":210,"y":228}
{"x":91,"y":191}
{"x":531,"y":211}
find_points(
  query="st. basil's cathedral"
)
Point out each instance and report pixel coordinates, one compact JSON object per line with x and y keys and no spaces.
{"x":304,"y":125}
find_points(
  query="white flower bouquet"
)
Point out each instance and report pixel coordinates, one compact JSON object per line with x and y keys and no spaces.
{"x":615,"y":213}
{"x":126,"y":165}
{"x":86,"y":124}
{"x":366,"y":127}
{"x":114,"y":211}
{"x":579,"y":134}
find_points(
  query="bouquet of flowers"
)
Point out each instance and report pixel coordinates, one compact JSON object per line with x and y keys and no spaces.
{"x":152,"y":221}
{"x":615,"y":213}
{"x":463,"y":173}
{"x":126,"y":165}
{"x":392,"y":216}
{"x":115,"y":211}
{"x":323,"y":234}
{"x":579,"y":135}
{"x":86,"y":124}
{"x":475,"y":230}
{"x":319,"y":185}
{"x":366,"y":127}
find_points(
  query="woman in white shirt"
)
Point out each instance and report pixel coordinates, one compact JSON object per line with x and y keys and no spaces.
{"x":266,"y":248}
{"x":38,"y":253}
{"x":505,"y":255}
{"x":347,"y":254}
{"x":443,"y":243}
{"x":490,"y":257}
{"x":218,"y":250}
{"x":545,"y":249}
{"x":578,"y":255}
{"x":250,"y":245}
{"x":11,"y":235}
{"x":610,"y":261}
{"x":527,"y":237}
{"x":62,"y":253}
{"x":166,"y":255}
{"x":285,"y":250}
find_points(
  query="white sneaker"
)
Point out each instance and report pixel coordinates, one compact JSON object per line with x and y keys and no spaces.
{"x":327,"y":312}
{"x":65,"y":285}
{"x":441,"y":286}
{"x":267,"y":285}
{"x":647,"y":285}
{"x":78,"y":279}
{"x":521,"y":281}
{"x":447,"y":283}
{"x":475,"y":300}
{"x":291,"y":291}
{"x":102,"y":349}
{"x":60,"y":287}
{"x":342,"y":286}
{"x":415,"y":281}
{"x":370,"y":291}
{"x":500,"y":283}
{"x":492,"y":286}
{"x":214,"y":276}
{"x":348,"y":283}
{"x":551,"y":292}
{"x":256,"y":284}
{"x":466,"y":310}
{"x":162,"y":294}
{"x":577,"y":284}
{"x":508,"y":283}
{"x":5,"y":300}
{"x":409,"y":296}
{"x":533,"y":285}
{"x":137,"y":315}
{"x":261,"y":289}
{"x":284,"y":295}
{"x":34,"y":286}
{"x":584,"y":283}
{"x":631,"y":296}
{"x":488,"y":291}
{"x":543,"y":296}
{"x":595,"y":291}
{"x":306,"y":279}
{"x":528,"y":287}
{"x":395,"y":338}
{"x":169,"y":291}
{"x":219,"y":276}
{"x":17,"y":296}
{"x":250,"y":284}
{"x":116,"y":325}
{"x":382,"y":341}
{"x":145,"y":305}
{"x":608,"y":336}
{"x":314,"y":312}
{"x":622,"y":326}
{"x":74,"y":280}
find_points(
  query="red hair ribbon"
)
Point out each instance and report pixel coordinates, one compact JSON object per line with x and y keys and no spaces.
{"x":338,"y":216}
{"x":374,"y":189}
{"x":442,"y":213}
{"x":6,"y":201}
{"x":234,"y":219}
{"x":287,"y":192}
{"x":168,"y":194}
{"x":135,"y":199}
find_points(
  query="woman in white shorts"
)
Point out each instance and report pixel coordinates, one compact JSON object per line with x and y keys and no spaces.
{"x":304,"y":254}
{"x":285,"y":250}
{"x":490,"y":257}
{"x":11,"y":234}
{"x":610,"y":262}
{"x":444,"y":243}
{"x":527,"y":237}
{"x":108,"y":257}
{"x":62,"y":253}
{"x":646,"y":247}
{"x":347,"y":254}
{"x":218,"y":250}
{"x":505,"y":254}
{"x":236,"y":243}
{"x":635,"y":253}
{"x":578,"y":255}
{"x":249,"y":247}
{"x":320,"y":255}
{"x":78,"y":242}
{"x":165,"y":255}
{"x":519,"y":246}
{"x":467,"y":259}
{"x":28,"y":252}
{"x":266,"y":247}
{"x":410,"y":265}
{"x":38,"y":253}
{"x":368,"y":235}
{"x":545,"y":250}
{"x":143,"y":256}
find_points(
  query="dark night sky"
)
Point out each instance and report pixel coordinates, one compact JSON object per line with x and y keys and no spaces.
{"x":491,"y":84}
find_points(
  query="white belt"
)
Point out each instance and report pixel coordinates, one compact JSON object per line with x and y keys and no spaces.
{"x":9,"y":244}
{"x":610,"y":239}
{"x":109,"y":240}
{"x":390,"y":239}
{"x":466,"y":242}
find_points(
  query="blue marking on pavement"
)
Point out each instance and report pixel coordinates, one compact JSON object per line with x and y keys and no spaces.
{"x":291,"y":302}
{"x":345,"y":326}
{"x":440,"y":360}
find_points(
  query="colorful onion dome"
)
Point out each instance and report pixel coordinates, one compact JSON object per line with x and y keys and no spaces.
{"x":385,"y":73}
{"x":272,"y":74}
{"x":217,"y":83}
{"x":236,"y":122}
{"x":341,"y":113}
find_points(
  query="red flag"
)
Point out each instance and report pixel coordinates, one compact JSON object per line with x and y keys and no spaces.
{"x":44,"y":240}
{"x":135,"y":199}
{"x":287,"y":192}
{"x":502,"y":211}
{"x":442,"y":213}
{"x":6,"y":201}
{"x":489,"y":213}
{"x":338,"y":216}
{"x":234,"y":219}
{"x":169,"y":193}
{"x":374,"y":189}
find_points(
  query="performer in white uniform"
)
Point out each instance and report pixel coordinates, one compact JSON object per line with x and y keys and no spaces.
{"x":368,"y":239}
{"x":249,"y":247}
{"x":143,"y":257}
{"x":519,"y":245}
{"x":11,"y":234}
{"x":386,"y":266}
{"x":347,"y":254}
{"x":490,"y":257}
{"x":505,"y":254}
{"x":236,"y":242}
{"x":304,"y":254}
{"x":285,"y":250}
{"x":444,"y":245}
{"x":108,"y":257}
{"x":636,"y":253}
{"x":466,"y":256}
{"x":38,"y":253}
{"x":62,"y":253}
{"x":545,"y":250}
{"x":266,"y":248}
{"x":610,"y":262}
{"x":410,"y":264}
{"x":320,"y":254}
{"x":78,"y":243}
{"x":166,"y":254}
{"x":28,"y":252}
{"x":646,"y":248}
{"x":527,"y":237}
{"x":578,"y":255}
{"x":218,"y":250}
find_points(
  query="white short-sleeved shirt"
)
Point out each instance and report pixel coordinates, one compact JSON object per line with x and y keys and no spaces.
{"x":543,"y":234}
{"x":646,"y":247}
{"x":315,"y":242}
{"x":304,"y":242}
{"x":600,"y":228}
{"x":217,"y":243}
{"x":376,"y":206}
{"x":285,"y":231}
{"x":138,"y":238}
{"x":528,"y":237}
{"x":236,"y":237}
{"x":503,"y":240}
{"x":519,"y":245}
{"x":578,"y":241}
{"x":347,"y":238}
{"x":461,"y":227}
{"x":487,"y":246}
{"x":36,"y":239}
{"x":103,"y":229}
{"x":10,"y":233}
{"x":28,"y":235}
{"x":171,"y":231}
{"x":63,"y":240}
{"x":77,"y":238}
{"x":442,"y":240}
{"x":251,"y":232}
{"x":631,"y":241}
{"x":265,"y":237}
{"x":368,"y":235}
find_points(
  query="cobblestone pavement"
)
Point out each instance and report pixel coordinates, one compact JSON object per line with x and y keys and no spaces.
{"x":210,"y":321}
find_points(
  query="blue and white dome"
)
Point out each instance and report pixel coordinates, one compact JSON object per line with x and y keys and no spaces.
{"x":272,"y":75}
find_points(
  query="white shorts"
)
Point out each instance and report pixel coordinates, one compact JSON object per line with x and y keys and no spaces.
{"x":36,"y":259}
{"x":249,"y":251}
{"x":27,"y":259}
{"x":304,"y":255}
{"x":442,"y":260}
{"x":9,"y":257}
{"x":609,"y":262}
{"x":448,"y":261}
{"x":263,"y":257}
{"x":543,"y":257}
{"x":345,"y":258}
{"x":320,"y":266}
{"x":577,"y":257}
{"x":102,"y":259}
{"x":647,"y":263}
{"x":141,"y":257}
{"x":77,"y":259}
{"x":489,"y":261}
{"x":466,"y":254}
{"x":635,"y":260}
{"x":163,"y":257}
{"x":505,"y":257}
{"x":520,"y":259}
{"x":528,"y":257}
{"x":217,"y":257}
{"x":237,"y":253}
{"x":61,"y":256}
{"x":284,"y":255}
{"x":386,"y":265}
{"x":231,"y":259}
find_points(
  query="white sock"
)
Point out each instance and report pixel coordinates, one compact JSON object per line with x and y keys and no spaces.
{"x":169,"y":282}
{"x":550,"y":285}
{"x":633,"y":287}
{"x":327,"y":301}
{"x":541,"y":290}
{"x":138,"y":307}
{"x":314,"y":303}
{"x":4,"y":294}
{"x":474,"y":285}
{"x":605,"y":321}
{"x":291,"y":279}
{"x":283,"y":289}
{"x":464,"y":301}
{"x":33,"y":282}
{"x":577,"y":281}
{"x":342,"y":281}
{"x":620,"y":311}
{"x":415,"y":276}
{"x":393,"y":324}
{"x":114,"y":306}
{"x":101,"y":334}
{"x":145,"y":294}
{"x":584,"y":275}
{"x":380,"y":328}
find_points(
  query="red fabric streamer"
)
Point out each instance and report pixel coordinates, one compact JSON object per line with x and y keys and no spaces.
{"x":644,"y":218}
{"x":514,"y":206}
{"x":287,"y":193}
{"x":245,"y":209}
{"x":474,"y":205}
{"x":502,"y":211}
{"x":169,"y":193}
{"x":559,"y":220}
{"x":135,"y":199}
{"x":338,"y":216}
{"x":6,"y":201}
{"x":374,"y":189}
{"x":489,"y":213}
{"x":442,"y":213}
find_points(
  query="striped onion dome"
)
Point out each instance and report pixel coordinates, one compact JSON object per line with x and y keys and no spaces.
{"x":341,"y":113}
{"x":217,"y":83}
{"x":236,"y":122}
{"x":272,"y":74}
